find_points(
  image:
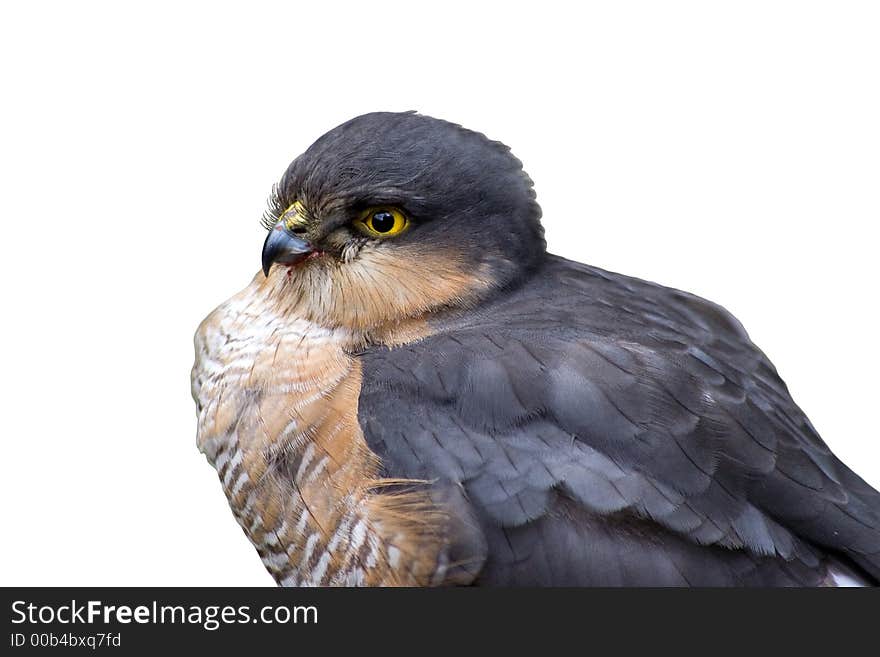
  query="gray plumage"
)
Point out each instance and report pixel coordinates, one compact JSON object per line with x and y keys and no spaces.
{"x":558,"y":424}
{"x":603,"y":430}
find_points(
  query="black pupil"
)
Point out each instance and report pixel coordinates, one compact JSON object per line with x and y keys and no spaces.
{"x":383,"y":222}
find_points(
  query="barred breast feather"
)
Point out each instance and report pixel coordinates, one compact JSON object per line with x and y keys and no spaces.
{"x":277,"y":401}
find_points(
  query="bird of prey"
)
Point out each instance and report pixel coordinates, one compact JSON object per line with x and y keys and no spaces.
{"x":414,"y":392}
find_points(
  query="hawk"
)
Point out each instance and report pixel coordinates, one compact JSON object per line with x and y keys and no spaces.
{"x":414,"y":392}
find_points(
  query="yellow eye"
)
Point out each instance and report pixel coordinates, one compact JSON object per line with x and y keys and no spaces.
{"x":382,"y":222}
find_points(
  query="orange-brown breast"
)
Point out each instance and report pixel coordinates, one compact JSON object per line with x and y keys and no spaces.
{"x":277,"y":398}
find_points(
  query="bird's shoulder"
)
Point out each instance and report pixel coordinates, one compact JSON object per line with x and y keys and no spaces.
{"x":583,"y":392}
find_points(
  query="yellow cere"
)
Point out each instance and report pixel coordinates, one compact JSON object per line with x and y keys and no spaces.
{"x":294,"y":216}
{"x":382,"y":222}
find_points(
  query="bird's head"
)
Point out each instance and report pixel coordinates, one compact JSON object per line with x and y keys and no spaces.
{"x":393,"y":215}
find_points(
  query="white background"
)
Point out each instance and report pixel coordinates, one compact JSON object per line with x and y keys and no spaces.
{"x":730,"y":149}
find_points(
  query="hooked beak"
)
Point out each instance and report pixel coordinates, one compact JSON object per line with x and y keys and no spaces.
{"x":283,"y":246}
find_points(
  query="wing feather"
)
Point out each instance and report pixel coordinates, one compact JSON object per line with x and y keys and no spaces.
{"x":608,"y":430}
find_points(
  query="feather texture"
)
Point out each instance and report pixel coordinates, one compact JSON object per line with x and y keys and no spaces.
{"x":607,"y":430}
